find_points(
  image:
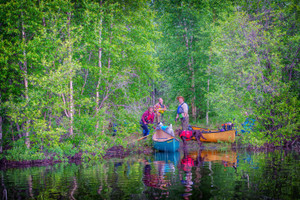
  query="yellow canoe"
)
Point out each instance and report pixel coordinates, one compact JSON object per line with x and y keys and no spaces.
{"x":217,"y":136}
{"x":203,"y":129}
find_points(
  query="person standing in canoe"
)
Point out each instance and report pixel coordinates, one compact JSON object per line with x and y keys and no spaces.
{"x":147,"y":118}
{"x":159,"y":110}
{"x":182,"y":113}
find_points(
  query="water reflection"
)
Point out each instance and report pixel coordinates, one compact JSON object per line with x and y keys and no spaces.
{"x":158,"y":173}
{"x":74,"y":188}
{"x":206,"y":174}
{"x":186,"y":164}
{"x":192,"y":167}
{"x":169,"y":160}
{"x":4,"y":192}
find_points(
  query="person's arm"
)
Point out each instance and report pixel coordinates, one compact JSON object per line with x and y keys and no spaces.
{"x":156,"y":109}
{"x":165,"y":107}
{"x":143,"y":117}
{"x":185,"y":114}
{"x":177,"y":115}
{"x":152,"y":118}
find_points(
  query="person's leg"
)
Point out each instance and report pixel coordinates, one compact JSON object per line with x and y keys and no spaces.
{"x":157,"y":116}
{"x":185,"y":123}
{"x":145,"y":128}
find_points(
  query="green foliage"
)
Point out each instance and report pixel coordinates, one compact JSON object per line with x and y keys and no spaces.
{"x":57,"y":86}
{"x":250,"y":74}
{"x":19,"y":152}
{"x":185,"y":50}
{"x":69,"y":70}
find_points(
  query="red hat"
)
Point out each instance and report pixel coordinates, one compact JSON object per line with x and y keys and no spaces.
{"x":180,"y":97}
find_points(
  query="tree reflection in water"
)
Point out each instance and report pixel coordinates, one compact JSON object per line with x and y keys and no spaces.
{"x":74,"y":188}
{"x":207,"y":174}
{"x":4,"y":195}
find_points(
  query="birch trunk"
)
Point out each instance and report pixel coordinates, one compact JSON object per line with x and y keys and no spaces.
{"x":191,"y":68}
{"x":208,"y":73}
{"x":71,"y":114}
{"x":12,"y":130}
{"x":207,"y":111}
{"x":100,"y":69}
{"x":194,"y":109}
{"x":27,"y":141}
{"x":19,"y":130}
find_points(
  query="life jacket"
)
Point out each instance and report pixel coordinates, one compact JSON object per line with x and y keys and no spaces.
{"x":187,"y":134}
{"x":180,"y":109}
{"x":159,"y":108}
{"x":187,"y":163}
{"x":147,"y":118}
{"x":227,"y":126}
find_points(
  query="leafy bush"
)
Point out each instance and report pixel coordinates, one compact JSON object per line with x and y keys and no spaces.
{"x":19,"y":152}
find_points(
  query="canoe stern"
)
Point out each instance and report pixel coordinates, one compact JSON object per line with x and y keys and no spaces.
{"x":170,"y":145}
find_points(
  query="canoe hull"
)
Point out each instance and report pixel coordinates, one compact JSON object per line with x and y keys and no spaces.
{"x":217,"y":136}
{"x":169,"y":145}
{"x":224,"y":136}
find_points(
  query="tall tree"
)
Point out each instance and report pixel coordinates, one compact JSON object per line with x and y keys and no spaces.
{"x":184,"y":51}
{"x":20,"y":28}
{"x":248,"y":47}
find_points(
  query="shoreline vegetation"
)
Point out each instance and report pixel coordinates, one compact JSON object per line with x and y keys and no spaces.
{"x":76,"y":76}
{"x":144,"y":147}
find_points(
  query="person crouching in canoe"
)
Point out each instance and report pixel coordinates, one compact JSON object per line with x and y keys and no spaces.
{"x":147,"y":118}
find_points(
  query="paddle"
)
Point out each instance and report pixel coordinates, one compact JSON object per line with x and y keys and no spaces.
{"x":142,"y":138}
{"x":147,"y":136}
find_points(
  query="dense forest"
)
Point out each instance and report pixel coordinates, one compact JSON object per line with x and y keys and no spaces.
{"x":72,"y":69}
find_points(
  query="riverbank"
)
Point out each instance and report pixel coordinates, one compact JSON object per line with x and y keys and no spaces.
{"x":229,"y":174}
{"x":113,"y":152}
{"x":117,"y":151}
{"x":144,"y":147}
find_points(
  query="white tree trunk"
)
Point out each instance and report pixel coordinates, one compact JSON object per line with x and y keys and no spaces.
{"x":71,"y":114}
{"x":100,"y":70}
{"x":207,"y":111}
{"x":188,"y":45}
{"x":194,"y":109}
{"x":27,"y":141}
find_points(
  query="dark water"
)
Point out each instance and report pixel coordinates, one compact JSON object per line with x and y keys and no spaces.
{"x":209,"y":174}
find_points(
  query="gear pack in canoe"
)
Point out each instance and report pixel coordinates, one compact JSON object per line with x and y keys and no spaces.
{"x":187,"y":134}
